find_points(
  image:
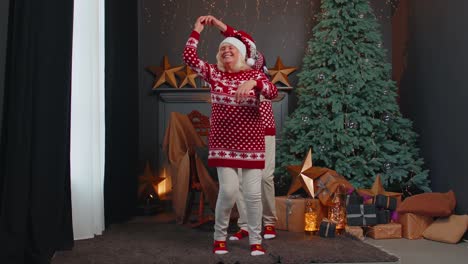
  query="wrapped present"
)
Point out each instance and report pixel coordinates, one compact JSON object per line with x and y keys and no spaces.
{"x":394,"y":216}
{"x":326,"y":184}
{"x":354,"y":198}
{"x":413,"y":225}
{"x":385,"y":231}
{"x":355,"y":231}
{"x":290,"y":213}
{"x":383,"y":216}
{"x":377,"y":188}
{"x":361,"y":215}
{"x":327,"y":229}
{"x":385,"y":202}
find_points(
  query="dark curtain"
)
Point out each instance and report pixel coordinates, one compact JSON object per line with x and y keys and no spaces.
{"x":120,"y":185}
{"x":3,"y":43}
{"x":35,"y":206}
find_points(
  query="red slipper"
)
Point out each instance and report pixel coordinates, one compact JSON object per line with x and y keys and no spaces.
{"x":219,"y":247}
{"x":239,"y":235}
{"x":269,"y":232}
{"x":257,"y":250}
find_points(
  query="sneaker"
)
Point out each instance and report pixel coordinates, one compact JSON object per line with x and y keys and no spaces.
{"x":239,"y":235}
{"x":219,"y":247}
{"x":256,"y":250}
{"x":269,"y":232}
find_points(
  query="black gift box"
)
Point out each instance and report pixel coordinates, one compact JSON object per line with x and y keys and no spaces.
{"x":327,"y":229}
{"x":361,"y":215}
{"x":383,"y":216}
{"x":385,"y":202}
{"x":354,"y":198}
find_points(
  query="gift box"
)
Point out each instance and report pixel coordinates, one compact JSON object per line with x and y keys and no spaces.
{"x":355,"y":231}
{"x":326,"y":185}
{"x":413,"y":225}
{"x":385,"y":202}
{"x":385,"y":231}
{"x":377,"y":188}
{"x":361,"y":215}
{"x":354,"y":198}
{"x":327,"y":229}
{"x":290,"y":213}
{"x":383,"y":216}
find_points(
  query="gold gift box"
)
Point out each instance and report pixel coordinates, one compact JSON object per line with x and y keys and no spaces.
{"x":385,"y":231}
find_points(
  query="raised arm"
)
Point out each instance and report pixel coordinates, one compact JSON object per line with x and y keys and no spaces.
{"x":190,"y":55}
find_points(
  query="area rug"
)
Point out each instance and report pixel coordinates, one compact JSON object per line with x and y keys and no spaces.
{"x":161,"y":243}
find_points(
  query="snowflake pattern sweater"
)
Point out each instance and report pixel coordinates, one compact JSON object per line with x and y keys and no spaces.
{"x":236,"y":136}
{"x":266,"y":107}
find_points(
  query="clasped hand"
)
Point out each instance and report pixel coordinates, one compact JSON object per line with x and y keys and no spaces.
{"x":208,"y":20}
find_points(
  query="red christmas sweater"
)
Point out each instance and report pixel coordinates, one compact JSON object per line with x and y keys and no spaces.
{"x":236,"y":136}
{"x":266,"y":108}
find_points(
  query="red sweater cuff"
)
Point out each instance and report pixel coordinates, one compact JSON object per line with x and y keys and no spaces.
{"x":195,"y":35}
{"x":229,"y":31}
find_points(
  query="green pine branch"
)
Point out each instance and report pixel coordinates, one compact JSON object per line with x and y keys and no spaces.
{"x":347,"y":110}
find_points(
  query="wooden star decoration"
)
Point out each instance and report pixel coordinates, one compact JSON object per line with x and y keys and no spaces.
{"x":303,"y":176}
{"x":148,"y":182}
{"x":377,"y":188}
{"x":164,"y":73}
{"x":187,"y":76}
{"x":280,"y":73}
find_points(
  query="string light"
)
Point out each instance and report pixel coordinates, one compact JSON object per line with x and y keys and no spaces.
{"x":244,"y":14}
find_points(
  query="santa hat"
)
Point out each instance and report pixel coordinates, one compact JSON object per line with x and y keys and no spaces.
{"x":251,"y":48}
{"x":236,"y":43}
{"x":260,"y":63}
{"x":253,"y":58}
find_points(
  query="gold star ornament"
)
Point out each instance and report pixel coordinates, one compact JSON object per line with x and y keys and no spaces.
{"x":303,"y":176}
{"x":377,"y":188}
{"x":279,"y":73}
{"x":164,"y":73}
{"x":148,"y":182}
{"x":187,"y":76}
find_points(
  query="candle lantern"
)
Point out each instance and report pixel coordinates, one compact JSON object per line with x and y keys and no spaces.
{"x":337,"y":208}
{"x":312,"y":213}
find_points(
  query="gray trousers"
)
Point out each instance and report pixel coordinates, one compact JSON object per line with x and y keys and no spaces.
{"x":268,"y":189}
{"x":230,"y":182}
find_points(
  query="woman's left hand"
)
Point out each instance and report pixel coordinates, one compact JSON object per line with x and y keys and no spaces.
{"x":244,"y":89}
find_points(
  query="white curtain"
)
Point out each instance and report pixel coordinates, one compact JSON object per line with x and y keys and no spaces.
{"x":87,"y":119}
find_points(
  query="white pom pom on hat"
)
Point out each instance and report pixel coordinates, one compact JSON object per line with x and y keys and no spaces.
{"x":250,"y":61}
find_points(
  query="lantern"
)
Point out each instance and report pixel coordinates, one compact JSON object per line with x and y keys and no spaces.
{"x":312,"y":213}
{"x":337,"y":208}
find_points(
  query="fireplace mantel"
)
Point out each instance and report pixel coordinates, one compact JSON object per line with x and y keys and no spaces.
{"x":192,"y":95}
{"x":184,"y":100}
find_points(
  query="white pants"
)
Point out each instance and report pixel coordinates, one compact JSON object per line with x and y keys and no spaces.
{"x":268,"y":188}
{"x":229,"y":183}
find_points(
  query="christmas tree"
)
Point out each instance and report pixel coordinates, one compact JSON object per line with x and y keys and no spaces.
{"x":347,"y":110}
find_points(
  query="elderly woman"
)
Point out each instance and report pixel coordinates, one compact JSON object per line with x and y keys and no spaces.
{"x":236,"y":138}
{"x":257,"y":61}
